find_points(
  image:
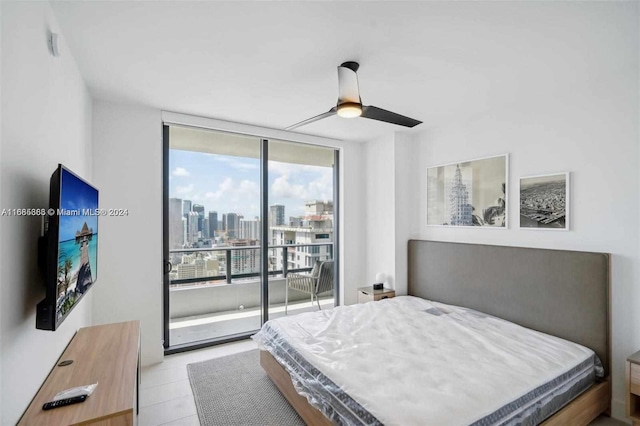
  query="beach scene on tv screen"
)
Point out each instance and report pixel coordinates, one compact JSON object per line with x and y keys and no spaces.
{"x":77,"y":242}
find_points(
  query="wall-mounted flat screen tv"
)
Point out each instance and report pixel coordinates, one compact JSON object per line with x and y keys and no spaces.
{"x":70,"y":247}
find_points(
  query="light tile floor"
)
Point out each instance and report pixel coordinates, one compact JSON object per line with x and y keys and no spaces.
{"x":166,"y":397}
{"x":165,"y":393}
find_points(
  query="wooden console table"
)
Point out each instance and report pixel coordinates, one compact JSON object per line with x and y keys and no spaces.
{"x":105,"y":354}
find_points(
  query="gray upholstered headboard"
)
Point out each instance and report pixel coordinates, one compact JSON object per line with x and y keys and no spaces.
{"x":563,"y":293}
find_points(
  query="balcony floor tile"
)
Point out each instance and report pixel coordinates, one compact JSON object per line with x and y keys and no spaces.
{"x":220,"y":324}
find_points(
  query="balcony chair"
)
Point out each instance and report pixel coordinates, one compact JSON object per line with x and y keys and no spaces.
{"x":319,"y":281}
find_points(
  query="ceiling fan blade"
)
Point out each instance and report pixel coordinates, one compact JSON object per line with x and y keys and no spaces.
{"x":329,"y":113}
{"x":375,"y":113}
{"x":348,"y":90}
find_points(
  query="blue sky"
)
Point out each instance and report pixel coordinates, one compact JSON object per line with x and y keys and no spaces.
{"x":228,"y":184}
{"x":76,"y":194}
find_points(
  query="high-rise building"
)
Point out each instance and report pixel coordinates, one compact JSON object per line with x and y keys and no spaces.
{"x":205,"y":227}
{"x":186,"y":211}
{"x":185,"y":231}
{"x":318,"y":208}
{"x":213,"y":268}
{"x":199,"y":208}
{"x":276,"y":215}
{"x":196,"y":269}
{"x":245,"y":261}
{"x":195,"y":266}
{"x":186,"y":207}
{"x":176,"y":234}
{"x":186,"y":271}
{"x":250,"y":229}
{"x":192,"y":223}
{"x":233,"y":225}
{"x":213,"y":224}
{"x":315,"y":227}
{"x":460,"y":210}
{"x":224,"y":222}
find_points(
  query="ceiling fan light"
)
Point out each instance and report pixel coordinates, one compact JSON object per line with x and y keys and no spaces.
{"x":349,"y":110}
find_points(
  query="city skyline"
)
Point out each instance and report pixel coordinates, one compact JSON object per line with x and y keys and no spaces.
{"x":543,"y":201}
{"x":316,"y":227}
{"x":218,"y":214}
{"x":227,"y":184}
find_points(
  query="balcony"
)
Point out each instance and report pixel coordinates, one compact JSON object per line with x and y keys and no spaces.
{"x":228,"y":302}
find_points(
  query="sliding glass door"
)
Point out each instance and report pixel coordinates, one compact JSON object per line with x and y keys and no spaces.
{"x":227,"y":199}
{"x":301,"y":227}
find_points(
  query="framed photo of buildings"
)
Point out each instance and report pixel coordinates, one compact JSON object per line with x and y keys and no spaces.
{"x":544,"y":202}
{"x":468,"y":193}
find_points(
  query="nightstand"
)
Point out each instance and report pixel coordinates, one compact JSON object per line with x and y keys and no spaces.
{"x":633,"y":388}
{"x":368,"y":294}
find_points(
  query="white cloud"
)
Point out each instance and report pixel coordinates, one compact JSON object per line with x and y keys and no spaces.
{"x":180,"y":171}
{"x":248,"y":187}
{"x":301,"y":187}
{"x":234,"y":192}
{"x":321,"y":188}
{"x":227,"y":184}
{"x":185,"y":190}
{"x":281,"y":187}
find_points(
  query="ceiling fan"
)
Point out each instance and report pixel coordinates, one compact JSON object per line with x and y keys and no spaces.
{"x":350,"y":105}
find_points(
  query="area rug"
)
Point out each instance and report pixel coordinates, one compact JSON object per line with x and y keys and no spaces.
{"x":235,"y":391}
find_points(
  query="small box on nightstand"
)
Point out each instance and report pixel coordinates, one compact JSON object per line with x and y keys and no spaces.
{"x":368,"y":294}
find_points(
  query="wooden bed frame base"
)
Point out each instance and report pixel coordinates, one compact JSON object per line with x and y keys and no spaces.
{"x":582,"y":410}
{"x":579,"y":412}
{"x":279,"y":376}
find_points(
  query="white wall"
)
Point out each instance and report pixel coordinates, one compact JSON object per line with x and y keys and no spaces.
{"x":353,"y":232}
{"x":380,"y":214}
{"x":390,"y":189}
{"x":128,"y":172}
{"x":46,"y":119}
{"x":406,"y":214}
{"x":586,"y":125}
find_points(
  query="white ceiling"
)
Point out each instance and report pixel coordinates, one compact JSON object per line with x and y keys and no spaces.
{"x":274,"y":63}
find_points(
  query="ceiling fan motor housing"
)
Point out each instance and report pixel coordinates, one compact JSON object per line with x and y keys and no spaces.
{"x":353,"y":66}
{"x":348,"y":88}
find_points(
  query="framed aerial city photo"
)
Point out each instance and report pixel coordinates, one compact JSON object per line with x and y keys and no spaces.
{"x":468,"y":193}
{"x":544,"y":202}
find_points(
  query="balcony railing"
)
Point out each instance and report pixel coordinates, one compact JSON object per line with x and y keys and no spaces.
{"x":283,"y":249}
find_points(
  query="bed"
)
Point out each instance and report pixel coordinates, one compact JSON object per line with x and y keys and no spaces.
{"x":488,"y":335}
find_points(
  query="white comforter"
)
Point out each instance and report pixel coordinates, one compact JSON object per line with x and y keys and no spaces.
{"x":409,"y":361}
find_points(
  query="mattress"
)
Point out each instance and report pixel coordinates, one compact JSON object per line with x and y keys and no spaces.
{"x":410,"y":361}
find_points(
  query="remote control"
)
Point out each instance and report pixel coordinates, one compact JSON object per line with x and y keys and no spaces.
{"x":63,"y":402}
